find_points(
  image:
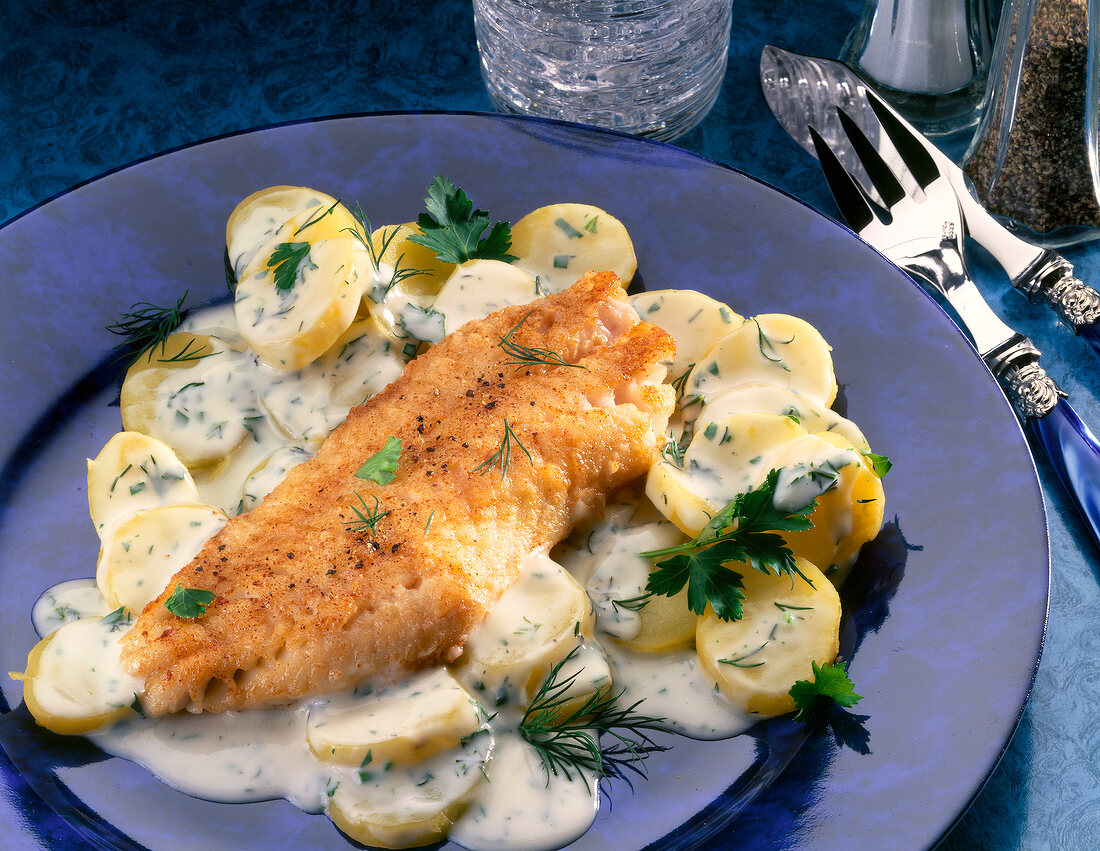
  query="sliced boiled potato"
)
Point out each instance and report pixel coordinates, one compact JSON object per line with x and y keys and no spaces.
{"x":695,"y":320}
{"x":773,"y":348}
{"x":850,"y":500}
{"x":134,"y":471}
{"x":302,"y":290}
{"x":141,"y":553}
{"x":74,"y":682}
{"x":666,"y":623}
{"x":404,"y":724}
{"x":393,"y":247}
{"x":541,"y":617}
{"x":787,"y":624}
{"x":559,"y":243}
{"x":620,"y":573}
{"x":732,"y":455}
{"x":269,"y":472}
{"x":193,"y":394}
{"x":581,"y":678}
{"x":672,"y":491}
{"x":310,"y":403}
{"x":775,"y":399}
{"x":258,"y":218}
{"x":479,"y":287}
{"x":389,"y":806}
{"x":405,"y":314}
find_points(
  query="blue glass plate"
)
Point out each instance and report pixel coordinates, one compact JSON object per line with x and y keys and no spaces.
{"x":945,"y":611}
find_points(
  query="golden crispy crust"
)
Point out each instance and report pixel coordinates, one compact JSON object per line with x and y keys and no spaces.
{"x":306,"y":604}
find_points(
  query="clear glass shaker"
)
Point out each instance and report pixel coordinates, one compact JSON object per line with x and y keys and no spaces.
{"x":1033,"y":160}
{"x":928,"y":58}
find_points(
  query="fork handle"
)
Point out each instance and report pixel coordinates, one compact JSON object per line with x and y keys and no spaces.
{"x":1075,"y":454}
{"x":1050,"y":281}
{"x":1091,"y":334}
{"x":1073,"y":450}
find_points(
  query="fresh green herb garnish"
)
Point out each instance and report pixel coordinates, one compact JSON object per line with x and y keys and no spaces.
{"x":743,"y":531}
{"x":312,"y":220}
{"x":363,"y":234}
{"x":381,"y":467}
{"x":766,"y":345}
{"x":286,"y":260}
{"x":503,"y":455}
{"x":454,"y":230}
{"x":565,"y":734}
{"x":146,"y":326}
{"x":739,"y":661}
{"x":680,"y":383}
{"x":673,"y":450}
{"x":830,"y":682}
{"x":188,"y":602}
{"x":117,"y":619}
{"x":186,"y":353}
{"x":368,"y":517}
{"x":880,"y":464}
{"x":527,"y":356}
{"x":568,"y":229}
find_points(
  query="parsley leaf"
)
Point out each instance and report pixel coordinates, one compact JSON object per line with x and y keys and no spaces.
{"x":454,"y":230}
{"x":286,"y":260}
{"x":743,"y":531}
{"x":381,"y":467}
{"x":707,"y":580}
{"x":880,"y":464}
{"x":830,"y":682}
{"x":188,"y":602}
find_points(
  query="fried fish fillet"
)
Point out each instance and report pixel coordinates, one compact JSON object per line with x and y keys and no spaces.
{"x":308,"y":600}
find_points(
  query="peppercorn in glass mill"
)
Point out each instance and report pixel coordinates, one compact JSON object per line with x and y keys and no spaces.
{"x":1033,"y":160}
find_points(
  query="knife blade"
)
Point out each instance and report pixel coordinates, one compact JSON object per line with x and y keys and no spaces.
{"x":805,"y":90}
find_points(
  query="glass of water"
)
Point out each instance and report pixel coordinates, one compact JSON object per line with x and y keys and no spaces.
{"x":648,"y":67}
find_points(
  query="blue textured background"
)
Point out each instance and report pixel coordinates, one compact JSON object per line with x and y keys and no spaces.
{"x":87,"y":87}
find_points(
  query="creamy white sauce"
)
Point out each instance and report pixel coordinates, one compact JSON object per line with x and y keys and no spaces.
{"x":65,"y":602}
{"x":485,"y":774}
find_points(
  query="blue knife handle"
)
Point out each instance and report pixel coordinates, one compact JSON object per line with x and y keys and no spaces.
{"x":1091,"y":334}
{"x":1075,"y":453}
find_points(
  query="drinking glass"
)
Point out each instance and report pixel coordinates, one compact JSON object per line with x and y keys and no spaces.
{"x":648,"y":67}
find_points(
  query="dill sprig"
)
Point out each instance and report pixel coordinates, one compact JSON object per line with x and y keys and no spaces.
{"x":503,"y":455}
{"x":363,"y":234}
{"x":146,"y":326}
{"x":673,"y":449}
{"x":529,"y":356}
{"x":565,"y":732}
{"x":766,"y":343}
{"x":678,"y":384}
{"x":187,"y":353}
{"x":367,"y":517}
{"x":312,"y":220}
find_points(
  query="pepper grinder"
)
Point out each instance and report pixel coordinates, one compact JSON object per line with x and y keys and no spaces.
{"x":927,"y":58}
{"x":1033,"y":160}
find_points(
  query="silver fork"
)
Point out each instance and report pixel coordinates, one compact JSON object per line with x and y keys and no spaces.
{"x":922,"y":232}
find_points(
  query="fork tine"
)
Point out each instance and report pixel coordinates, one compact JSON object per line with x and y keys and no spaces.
{"x":849,"y":198}
{"x":912,"y":152}
{"x":882,"y":178}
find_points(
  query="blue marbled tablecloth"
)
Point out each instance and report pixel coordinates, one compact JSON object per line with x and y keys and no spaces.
{"x":87,"y":87}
